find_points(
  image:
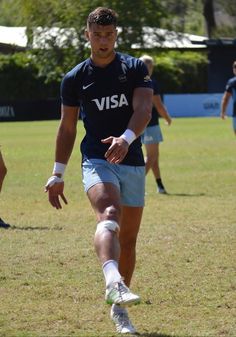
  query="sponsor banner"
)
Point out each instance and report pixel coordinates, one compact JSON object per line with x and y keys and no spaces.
{"x":195,"y":105}
{"x":29,"y":110}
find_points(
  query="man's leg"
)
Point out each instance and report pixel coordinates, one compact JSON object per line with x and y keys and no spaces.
{"x":151,"y":156}
{"x":155,"y":161}
{"x":105,"y":200}
{"x":152,"y":162}
{"x":130,"y":223}
{"x":234,"y":124}
{"x":3,"y":170}
{"x":156,"y":171}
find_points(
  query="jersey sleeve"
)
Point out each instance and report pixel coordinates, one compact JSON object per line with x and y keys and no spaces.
{"x":143,"y":79}
{"x":69,"y":96}
{"x":228,"y":87}
{"x":156,"y":88}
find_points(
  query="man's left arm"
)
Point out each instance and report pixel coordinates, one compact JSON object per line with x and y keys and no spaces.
{"x":224,"y":104}
{"x":142,"y":109}
{"x":142,"y":106}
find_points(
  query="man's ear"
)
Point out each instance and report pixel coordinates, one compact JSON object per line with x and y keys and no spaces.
{"x":86,"y":34}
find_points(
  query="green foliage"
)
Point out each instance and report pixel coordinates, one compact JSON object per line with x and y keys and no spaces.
{"x":71,"y":15}
{"x":42,"y":68}
{"x":54,"y":13}
{"x":181,"y":71}
{"x":9,"y":10}
{"x":23,"y":77}
{"x":184,"y":16}
{"x":20,"y":79}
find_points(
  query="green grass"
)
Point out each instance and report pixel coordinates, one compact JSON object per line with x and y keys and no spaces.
{"x":50,"y":281}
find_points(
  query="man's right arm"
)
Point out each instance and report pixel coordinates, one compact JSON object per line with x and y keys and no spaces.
{"x":160,"y":107}
{"x":224,"y":103}
{"x":64,"y":145}
{"x":66,"y":133}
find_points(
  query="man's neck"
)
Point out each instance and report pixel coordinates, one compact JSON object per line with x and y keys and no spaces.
{"x":102,"y":62}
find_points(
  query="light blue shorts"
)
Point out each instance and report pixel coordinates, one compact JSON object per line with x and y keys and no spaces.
{"x":130,"y":180}
{"x":152,"y":135}
{"x":234,"y":123}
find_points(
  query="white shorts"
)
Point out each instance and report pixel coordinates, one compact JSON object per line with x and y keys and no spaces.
{"x":152,"y":135}
{"x":130,"y":180}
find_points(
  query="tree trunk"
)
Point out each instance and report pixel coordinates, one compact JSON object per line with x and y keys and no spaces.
{"x":208,"y":12}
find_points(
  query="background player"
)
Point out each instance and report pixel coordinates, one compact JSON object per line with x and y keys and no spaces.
{"x":152,"y":135}
{"x":115,"y":95}
{"x":230,"y":90}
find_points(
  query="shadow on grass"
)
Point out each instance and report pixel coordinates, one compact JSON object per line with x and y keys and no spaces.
{"x":186,"y":194}
{"x":30,"y":228}
{"x":155,"y":334}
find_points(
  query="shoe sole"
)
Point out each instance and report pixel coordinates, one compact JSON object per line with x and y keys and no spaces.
{"x":5,"y":226}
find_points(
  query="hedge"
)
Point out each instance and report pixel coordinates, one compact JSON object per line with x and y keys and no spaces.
{"x":177,"y":72}
{"x":20,"y":79}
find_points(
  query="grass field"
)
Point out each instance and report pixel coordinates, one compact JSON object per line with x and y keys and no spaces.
{"x":50,"y":281}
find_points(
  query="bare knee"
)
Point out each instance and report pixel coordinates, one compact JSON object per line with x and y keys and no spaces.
{"x":111,"y":213}
{"x":150,"y":160}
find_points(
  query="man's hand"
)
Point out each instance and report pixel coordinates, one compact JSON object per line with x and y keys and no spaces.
{"x":55,"y":187}
{"x":223,"y":115}
{"x":117,"y":151}
{"x":168,"y":120}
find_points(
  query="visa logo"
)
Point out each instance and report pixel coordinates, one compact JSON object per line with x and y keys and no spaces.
{"x":111,"y":102}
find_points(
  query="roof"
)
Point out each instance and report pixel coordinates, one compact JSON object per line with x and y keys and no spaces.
{"x":163,"y":38}
{"x":153,"y":38}
{"x":13,"y":36}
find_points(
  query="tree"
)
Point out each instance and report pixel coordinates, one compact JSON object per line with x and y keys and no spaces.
{"x":70,"y":17}
{"x":225,"y":17}
{"x":208,"y":12}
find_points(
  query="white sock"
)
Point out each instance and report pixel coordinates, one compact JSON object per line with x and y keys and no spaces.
{"x":111,"y":272}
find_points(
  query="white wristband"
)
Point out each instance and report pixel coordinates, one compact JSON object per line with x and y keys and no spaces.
{"x":53,"y":180}
{"x":129,"y":136}
{"x":59,"y":168}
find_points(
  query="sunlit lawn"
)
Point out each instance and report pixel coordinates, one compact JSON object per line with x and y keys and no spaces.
{"x":50,"y":281}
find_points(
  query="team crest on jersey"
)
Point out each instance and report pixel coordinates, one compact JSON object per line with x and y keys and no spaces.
{"x":147,"y":78}
{"x":111,"y":102}
{"x":122,"y":78}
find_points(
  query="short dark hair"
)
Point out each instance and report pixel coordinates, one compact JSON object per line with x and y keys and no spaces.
{"x":102,"y":16}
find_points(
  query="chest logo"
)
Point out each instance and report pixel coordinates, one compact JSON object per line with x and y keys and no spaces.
{"x":111,"y":102}
{"x":87,"y":86}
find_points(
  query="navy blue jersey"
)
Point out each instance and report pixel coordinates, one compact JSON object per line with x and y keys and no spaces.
{"x":155,"y":116}
{"x":231,"y":87}
{"x":104,"y":96}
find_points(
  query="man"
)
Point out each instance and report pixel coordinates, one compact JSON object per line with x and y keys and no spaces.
{"x":114,"y":93}
{"x":230,"y":90}
{"x":3,"y":172}
{"x":152,"y":135}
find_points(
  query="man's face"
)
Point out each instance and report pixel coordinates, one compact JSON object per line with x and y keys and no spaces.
{"x":149,"y":67}
{"x":102,"y":39}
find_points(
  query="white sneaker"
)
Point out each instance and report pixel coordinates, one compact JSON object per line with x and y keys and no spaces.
{"x":119,"y":294}
{"x":122,"y":322}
